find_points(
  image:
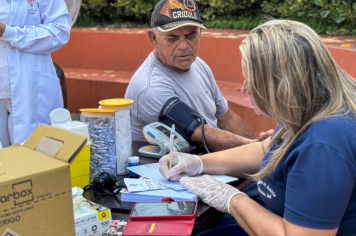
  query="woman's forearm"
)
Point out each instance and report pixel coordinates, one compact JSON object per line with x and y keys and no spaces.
{"x":239,"y":162}
{"x":255,"y":219}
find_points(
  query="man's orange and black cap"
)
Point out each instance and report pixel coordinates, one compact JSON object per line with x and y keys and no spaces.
{"x":172,"y":14}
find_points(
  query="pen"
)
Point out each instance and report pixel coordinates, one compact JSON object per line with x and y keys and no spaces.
{"x":171,"y":151}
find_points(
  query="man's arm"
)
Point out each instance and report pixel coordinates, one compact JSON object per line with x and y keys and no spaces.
{"x":230,"y":135}
{"x":2,"y":28}
{"x":233,"y":123}
{"x":217,"y":139}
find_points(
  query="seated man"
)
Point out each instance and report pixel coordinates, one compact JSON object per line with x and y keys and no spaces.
{"x":174,"y":70}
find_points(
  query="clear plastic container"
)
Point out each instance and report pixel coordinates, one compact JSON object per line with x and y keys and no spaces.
{"x":123,"y":130}
{"x":101,"y":124}
{"x":60,"y":116}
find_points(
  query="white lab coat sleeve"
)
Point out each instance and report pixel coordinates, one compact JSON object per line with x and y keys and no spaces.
{"x":47,"y":37}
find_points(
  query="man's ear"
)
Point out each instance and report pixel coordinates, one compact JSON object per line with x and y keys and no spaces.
{"x":153,"y":38}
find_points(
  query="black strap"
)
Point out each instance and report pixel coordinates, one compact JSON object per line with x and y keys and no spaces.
{"x":104,"y":193}
{"x":93,"y":186}
{"x":202,"y":130}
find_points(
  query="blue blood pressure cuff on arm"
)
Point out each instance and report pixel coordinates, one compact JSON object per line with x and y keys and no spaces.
{"x":185,"y":118}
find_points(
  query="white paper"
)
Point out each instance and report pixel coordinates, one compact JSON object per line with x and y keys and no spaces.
{"x":151,"y":171}
{"x":138,"y":185}
{"x":123,"y":140}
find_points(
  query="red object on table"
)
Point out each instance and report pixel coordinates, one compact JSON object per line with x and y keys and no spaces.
{"x":177,"y":225}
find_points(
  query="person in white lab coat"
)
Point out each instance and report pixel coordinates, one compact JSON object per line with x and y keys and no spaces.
{"x":29,"y":89}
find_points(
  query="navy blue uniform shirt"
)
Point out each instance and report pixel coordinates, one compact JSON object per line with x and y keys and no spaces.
{"x":314,"y":184}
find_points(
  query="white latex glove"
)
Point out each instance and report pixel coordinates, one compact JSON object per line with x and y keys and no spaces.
{"x":182,"y":165}
{"x":213,"y":192}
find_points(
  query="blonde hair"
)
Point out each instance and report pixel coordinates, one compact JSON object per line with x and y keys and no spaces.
{"x":294,"y":79}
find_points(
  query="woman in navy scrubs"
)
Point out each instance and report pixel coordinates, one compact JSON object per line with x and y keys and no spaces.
{"x":306,"y":172}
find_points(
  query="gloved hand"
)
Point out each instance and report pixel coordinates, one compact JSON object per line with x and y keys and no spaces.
{"x":211,"y":191}
{"x":182,"y":165}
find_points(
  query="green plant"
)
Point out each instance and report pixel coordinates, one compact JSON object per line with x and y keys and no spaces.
{"x":210,"y":9}
{"x":324,"y":16}
{"x":140,"y":10}
{"x":330,"y":10}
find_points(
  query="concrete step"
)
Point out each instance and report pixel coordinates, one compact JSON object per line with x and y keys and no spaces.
{"x":241,"y":105}
{"x":232,"y":93}
{"x":85,"y":88}
{"x":99,"y":75}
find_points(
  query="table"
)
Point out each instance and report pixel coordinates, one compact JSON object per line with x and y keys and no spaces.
{"x":207,"y":217}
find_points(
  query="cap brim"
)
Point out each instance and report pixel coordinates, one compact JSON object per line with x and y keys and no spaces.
{"x":176,"y":25}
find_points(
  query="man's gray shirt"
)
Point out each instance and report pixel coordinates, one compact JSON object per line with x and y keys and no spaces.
{"x":154,"y":84}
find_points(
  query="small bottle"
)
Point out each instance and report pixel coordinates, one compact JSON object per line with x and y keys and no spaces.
{"x":133,"y":161}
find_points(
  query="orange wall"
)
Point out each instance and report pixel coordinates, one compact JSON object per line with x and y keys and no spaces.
{"x":104,"y":51}
{"x":126,"y":52}
{"x":223,"y":57}
{"x":88,"y":93}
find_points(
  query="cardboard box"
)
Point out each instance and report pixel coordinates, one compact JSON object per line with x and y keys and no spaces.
{"x":35,"y":184}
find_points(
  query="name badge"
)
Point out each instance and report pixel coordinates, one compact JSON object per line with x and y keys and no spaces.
{"x":31,"y":9}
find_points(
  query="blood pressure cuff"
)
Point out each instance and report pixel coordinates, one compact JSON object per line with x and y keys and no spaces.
{"x":185,"y":119}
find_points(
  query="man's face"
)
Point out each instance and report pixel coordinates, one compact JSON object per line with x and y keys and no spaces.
{"x":178,"y":49}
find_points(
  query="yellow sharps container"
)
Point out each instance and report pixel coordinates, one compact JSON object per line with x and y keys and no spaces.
{"x":80,"y":167}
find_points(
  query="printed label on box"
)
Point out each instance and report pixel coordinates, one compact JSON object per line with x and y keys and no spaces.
{"x":9,"y":232}
{"x":87,"y":224}
{"x":104,"y":218}
{"x":103,"y":214}
{"x":99,"y":220}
